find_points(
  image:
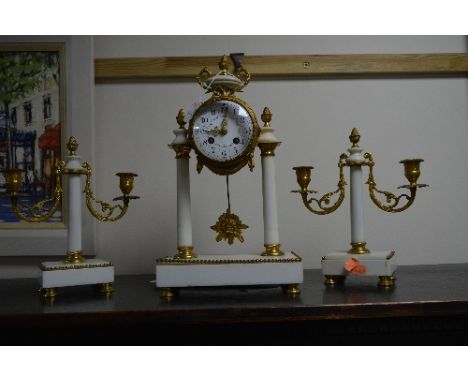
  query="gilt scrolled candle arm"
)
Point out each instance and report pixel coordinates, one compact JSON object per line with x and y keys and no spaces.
{"x":40,"y":211}
{"x":108,"y":211}
{"x":392,"y":201}
{"x":323,"y":203}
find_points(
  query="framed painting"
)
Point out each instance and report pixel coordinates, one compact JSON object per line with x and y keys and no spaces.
{"x":49,"y":97}
{"x":32,"y":125}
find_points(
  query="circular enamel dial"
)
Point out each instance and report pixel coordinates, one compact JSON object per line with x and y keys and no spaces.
{"x":223,"y":130}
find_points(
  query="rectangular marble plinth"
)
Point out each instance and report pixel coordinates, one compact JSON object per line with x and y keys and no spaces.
{"x":377,"y":263}
{"x":57,"y":274}
{"x":225,"y":270}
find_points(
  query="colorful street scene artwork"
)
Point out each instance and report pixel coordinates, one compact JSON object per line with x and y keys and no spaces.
{"x":30,"y":127}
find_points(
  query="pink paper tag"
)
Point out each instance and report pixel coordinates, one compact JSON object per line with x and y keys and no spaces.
{"x":355,"y":266}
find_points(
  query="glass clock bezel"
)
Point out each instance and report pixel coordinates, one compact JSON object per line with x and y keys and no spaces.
{"x":232,"y":166}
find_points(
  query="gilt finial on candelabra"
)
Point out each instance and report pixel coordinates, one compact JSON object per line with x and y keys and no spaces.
{"x":72,"y":145}
{"x":354,"y":137}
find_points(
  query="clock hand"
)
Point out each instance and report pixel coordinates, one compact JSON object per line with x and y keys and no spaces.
{"x":215,"y":132}
{"x":224,"y":124}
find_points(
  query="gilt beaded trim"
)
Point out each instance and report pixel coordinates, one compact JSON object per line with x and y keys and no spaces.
{"x":174,"y":261}
{"x":74,"y":266}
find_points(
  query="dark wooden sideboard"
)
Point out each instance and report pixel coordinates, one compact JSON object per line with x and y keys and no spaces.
{"x":428,"y":305}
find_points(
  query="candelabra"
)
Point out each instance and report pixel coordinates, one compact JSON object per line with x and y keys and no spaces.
{"x":359,"y":260}
{"x":75,"y":269}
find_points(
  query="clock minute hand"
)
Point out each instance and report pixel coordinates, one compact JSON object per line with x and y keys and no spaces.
{"x":224,"y":124}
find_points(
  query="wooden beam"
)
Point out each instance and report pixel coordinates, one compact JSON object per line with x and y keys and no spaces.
{"x":287,"y":66}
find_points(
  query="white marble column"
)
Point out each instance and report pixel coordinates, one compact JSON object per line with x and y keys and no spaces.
{"x":357,"y":213}
{"x":355,"y":162}
{"x":270,"y":208}
{"x":184,"y":215}
{"x":74,"y":204}
{"x":267,"y":142}
{"x":182,"y":148}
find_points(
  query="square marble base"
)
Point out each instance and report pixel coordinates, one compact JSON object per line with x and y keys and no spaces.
{"x":56,"y":274}
{"x":225,"y":270}
{"x":378,"y":263}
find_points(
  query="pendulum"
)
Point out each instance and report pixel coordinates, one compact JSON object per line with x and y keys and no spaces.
{"x":229,"y":226}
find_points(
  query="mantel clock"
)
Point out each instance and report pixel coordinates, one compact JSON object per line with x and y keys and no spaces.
{"x":223,"y":132}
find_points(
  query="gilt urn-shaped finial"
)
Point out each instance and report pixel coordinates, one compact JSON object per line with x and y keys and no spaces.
{"x":72,"y":146}
{"x":181,"y":118}
{"x":266,"y":116}
{"x":355,"y":137}
{"x":223,"y":63}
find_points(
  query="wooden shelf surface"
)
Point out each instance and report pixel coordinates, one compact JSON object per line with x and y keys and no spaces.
{"x":427,"y":299}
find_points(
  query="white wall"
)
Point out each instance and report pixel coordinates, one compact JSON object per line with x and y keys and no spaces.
{"x":397,"y":118}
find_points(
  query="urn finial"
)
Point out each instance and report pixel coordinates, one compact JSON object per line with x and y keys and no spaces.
{"x":354,"y":137}
{"x":72,"y":145}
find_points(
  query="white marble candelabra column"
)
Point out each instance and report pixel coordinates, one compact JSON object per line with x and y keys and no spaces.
{"x":355,"y":162}
{"x":267,"y":142}
{"x":184,"y":215}
{"x":74,"y":240}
